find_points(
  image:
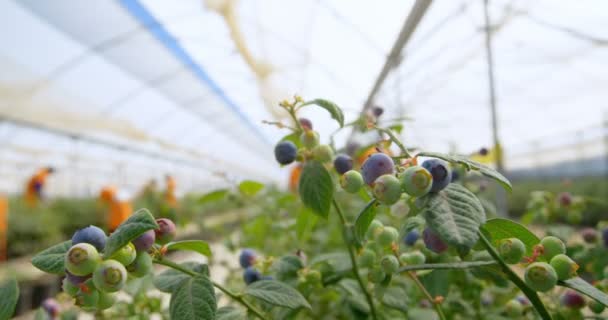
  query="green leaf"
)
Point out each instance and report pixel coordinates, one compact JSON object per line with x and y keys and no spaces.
{"x":585,"y":288}
{"x":276,"y":293}
{"x":498,"y":229}
{"x":199,"y":246}
{"x":455,"y":214}
{"x":396,"y":127}
{"x":364,"y":219}
{"x":230,"y":313}
{"x":171,"y":279}
{"x":354,"y":295}
{"x":293,"y":137}
{"x":250,"y":188}
{"x":140,"y":222}
{"x":305,"y":222}
{"x":51,"y":259}
{"x":194,"y":299}
{"x":316,"y":188}
{"x":396,"y":298}
{"x":9,"y":295}
{"x":437,"y":282}
{"x":471,"y":165}
{"x":213,"y":196}
{"x":333,"y":109}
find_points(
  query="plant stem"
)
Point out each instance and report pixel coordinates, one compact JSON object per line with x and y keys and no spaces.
{"x":531,"y":294}
{"x":436,"y":304}
{"x":234,"y":296}
{"x":396,"y":141}
{"x":438,"y":266}
{"x":353,"y":261}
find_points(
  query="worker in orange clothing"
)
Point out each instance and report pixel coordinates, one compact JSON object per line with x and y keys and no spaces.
{"x":170,"y":197}
{"x":35,"y":186}
{"x":3,"y":226}
{"x":119,"y":209}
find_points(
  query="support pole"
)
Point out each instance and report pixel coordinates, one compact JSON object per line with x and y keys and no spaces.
{"x":501,"y":199}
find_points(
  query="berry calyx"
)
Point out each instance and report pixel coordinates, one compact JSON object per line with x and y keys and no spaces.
{"x":91,"y":235}
{"x":343,"y":163}
{"x":82,"y":259}
{"x":351,"y":181}
{"x":285,"y":152}
{"x":376,"y":165}
{"x":564,"y":266}
{"x":540,"y":276}
{"x":511,"y":250}
{"x":166,"y":231}
{"x":552,"y":246}
{"x":416,"y":181}
{"x":110,"y":276}
{"x":442,"y":175}
{"x":387,"y":189}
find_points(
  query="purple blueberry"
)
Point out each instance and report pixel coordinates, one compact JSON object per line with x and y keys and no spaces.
{"x":285,"y":152}
{"x":378,"y":164}
{"x":247,"y":258}
{"x":51,"y":307}
{"x":377,"y":111}
{"x":145,"y":241}
{"x":589,"y":235}
{"x":483,"y":151}
{"x":565,"y":199}
{"x":251,"y":275}
{"x":573,"y":299}
{"x":343,"y":163}
{"x":91,"y":235}
{"x":442,"y":175}
{"x":433,"y":242}
{"x":165,"y":232}
{"x":76,"y":280}
{"x":411,"y":237}
{"x":306,"y":124}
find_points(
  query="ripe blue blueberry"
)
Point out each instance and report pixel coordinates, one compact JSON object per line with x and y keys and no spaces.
{"x":145,"y":241}
{"x":343,"y":163}
{"x":433,"y":242}
{"x":166,"y":231}
{"x":376,"y":165}
{"x":411,"y":237}
{"x":377,"y":111}
{"x":247,"y":258}
{"x":91,"y":235}
{"x":285,"y":152}
{"x":572,"y":299}
{"x":251,"y":275}
{"x":442,"y":175}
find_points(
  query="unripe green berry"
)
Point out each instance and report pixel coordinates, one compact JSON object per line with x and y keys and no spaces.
{"x":416,"y":181}
{"x":309,"y":139}
{"x":387,"y":189}
{"x":514,"y":309}
{"x":82,"y":259}
{"x":323,"y":153}
{"x":69,"y":288}
{"x":387,"y":236}
{"x":564,"y":266}
{"x":351,"y":181}
{"x":389,"y":264}
{"x":88,"y":296}
{"x":413,"y":258}
{"x":540,"y":276}
{"x":552,"y":246}
{"x":367,"y":258}
{"x":141,"y":266}
{"x":511,"y":250}
{"x":125,"y":255}
{"x":313,"y":276}
{"x":374,"y":229}
{"x":376,"y":275}
{"x":595,"y":306}
{"x":106,"y":300}
{"x":110,"y":276}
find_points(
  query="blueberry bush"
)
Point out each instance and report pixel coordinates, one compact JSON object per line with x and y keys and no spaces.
{"x":373,"y":232}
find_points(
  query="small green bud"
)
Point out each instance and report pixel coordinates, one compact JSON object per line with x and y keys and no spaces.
{"x":552,"y":246}
{"x":511,"y":250}
{"x":351,"y":181}
{"x":564,"y":266}
{"x":367,"y":258}
{"x":387,"y":189}
{"x":540,"y":276}
{"x":389,"y":264}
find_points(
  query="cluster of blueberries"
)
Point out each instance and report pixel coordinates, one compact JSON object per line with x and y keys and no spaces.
{"x":247,"y":260}
{"x":93,"y":278}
